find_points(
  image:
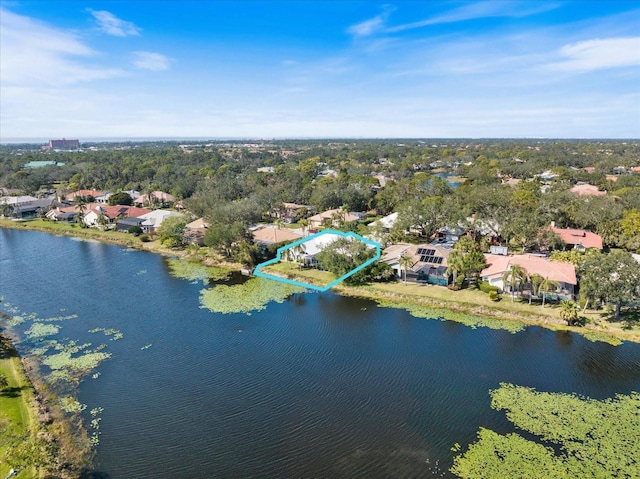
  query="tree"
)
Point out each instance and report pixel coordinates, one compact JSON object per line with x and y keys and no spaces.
{"x":120,"y":198}
{"x":455,"y":264}
{"x":536,"y":280}
{"x":81,"y":204}
{"x":303,"y":225}
{"x":344,"y":255}
{"x":405,"y":263}
{"x":474,"y":263}
{"x":516,"y":276}
{"x":546,"y":286}
{"x":171,"y":230}
{"x":569,"y":311}
{"x":614,"y":278}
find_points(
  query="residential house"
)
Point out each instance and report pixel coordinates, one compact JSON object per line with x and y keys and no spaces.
{"x":386,"y":222}
{"x":194,"y":232}
{"x":429,"y":262}
{"x":87,"y":195}
{"x":62,"y":213}
{"x":578,"y":239}
{"x":333,"y":218}
{"x":110,"y":214}
{"x":268,"y":235}
{"x":154,"y":198}
{"x":288,"y":212}
{"x":24,"y":206}
{"x":563,"y":273}
{"x":154,"y":219}
{"x":585,"y":189}
{"x":305,"y":253}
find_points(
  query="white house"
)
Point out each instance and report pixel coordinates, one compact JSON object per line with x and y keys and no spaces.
{"x":153,"y":220}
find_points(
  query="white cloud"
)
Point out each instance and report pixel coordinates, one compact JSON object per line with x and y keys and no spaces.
{"x":34,"y":53}
{"x":112,"y":25}
{"x":598,"y":54}
{"x":151,"y":61}
{"x":484,"y":9}
{"x":367,"y":27}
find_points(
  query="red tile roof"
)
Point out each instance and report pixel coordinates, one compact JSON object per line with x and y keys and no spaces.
{"x":579,"y":237}
{"x":554,"y":270}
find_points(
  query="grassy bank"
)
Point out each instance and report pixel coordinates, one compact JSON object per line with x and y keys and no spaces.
{"x":396,"y":294}
{"x":17,"y":410}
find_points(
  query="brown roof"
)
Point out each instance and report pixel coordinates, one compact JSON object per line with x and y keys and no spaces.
{"x":579,"y":237}
{"x":328,"y":215}
{"x":84,"y":193}
{"x":200,"y":223}
{"x":270,"y":235}
{"x":554,"y":270}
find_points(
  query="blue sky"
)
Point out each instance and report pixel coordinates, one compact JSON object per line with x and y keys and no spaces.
{"x":77,"y":69}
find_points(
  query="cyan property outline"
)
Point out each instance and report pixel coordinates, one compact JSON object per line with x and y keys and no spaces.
{"x":282,"y":249}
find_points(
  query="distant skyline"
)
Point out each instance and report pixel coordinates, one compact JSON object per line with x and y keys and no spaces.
{"x":261,"y":69}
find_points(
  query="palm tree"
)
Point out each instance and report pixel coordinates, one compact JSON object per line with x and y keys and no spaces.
{"x":517,"y":277}
{"x":80,"y":206}
{"x":405,"y":262}
{"x":455,"y":264}
{"x":536,"y":280}
{"x":546,"y":286}
{"x":569,"y":311}
{"x":303,"y":225}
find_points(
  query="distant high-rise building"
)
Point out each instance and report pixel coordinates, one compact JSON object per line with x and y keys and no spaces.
{"x":64,"y":144}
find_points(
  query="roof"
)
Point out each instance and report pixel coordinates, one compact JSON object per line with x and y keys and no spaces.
{"x":587,"y":190}
{"x":329,"y":213}
{"x":84,"y":193}
{"x":581,"y":237}
{"x":122,"y":210}
{"x":318,"y":243}
{"x":554,"y":270}
{"x":294,"y":206}
{"x":271,"y":234}
{"x":156,"y":217}
{"x":394,"y":252}
{"x":418,"y":253}
{"x":200,"y":223}
{"x":158,"y":195}
{"x":386,"y":221}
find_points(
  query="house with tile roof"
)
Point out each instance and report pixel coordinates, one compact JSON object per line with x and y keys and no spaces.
{"x":578,"y":239}
{"x":563,"y":273}
{"x":268,"y":235}
{"x":585,"y":189}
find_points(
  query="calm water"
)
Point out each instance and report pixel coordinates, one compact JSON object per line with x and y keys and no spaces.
{"x":319,"y":386}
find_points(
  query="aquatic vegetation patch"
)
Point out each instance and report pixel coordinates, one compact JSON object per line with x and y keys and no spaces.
{"x":252,"y":295}
{"x":595,"y":336}
{"x":108,"y":332}
{"x":467,"y":319}
{"x":73,"y":361}
{"x":71,"y":404}
{"x":146,"y":346}
{"x":196,"y":272}
{"x":41,"y":330}
{"x":573,"y":437}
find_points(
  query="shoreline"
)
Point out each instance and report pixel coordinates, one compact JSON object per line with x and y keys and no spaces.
{"x":382,"y":293}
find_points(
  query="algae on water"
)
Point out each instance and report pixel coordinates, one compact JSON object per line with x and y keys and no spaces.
{"x":196,"y":272}
{"x":253,"y":295}
{"x":470,"y":320}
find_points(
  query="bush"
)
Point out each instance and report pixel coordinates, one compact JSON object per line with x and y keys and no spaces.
{"x":485,"y":287}
{"x":135,"y":230}
{"x":493,"y":296}
{"x":145,"y":238}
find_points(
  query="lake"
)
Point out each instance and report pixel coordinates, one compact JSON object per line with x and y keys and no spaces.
{"x":317,"y":386}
